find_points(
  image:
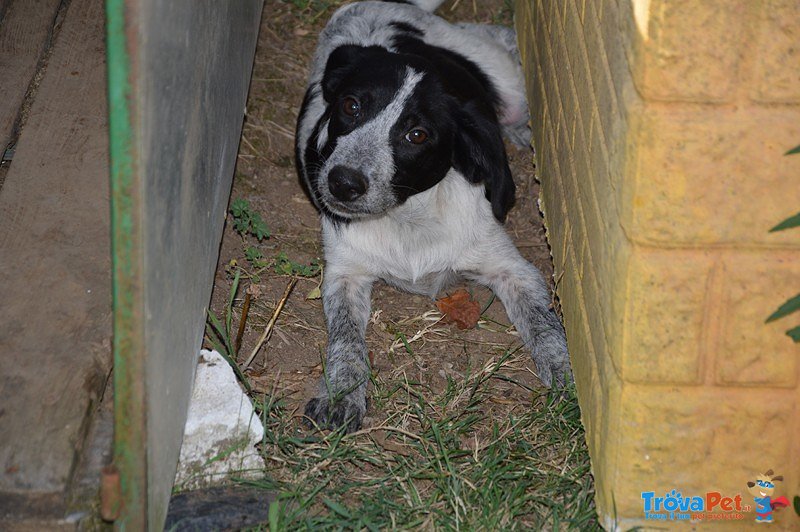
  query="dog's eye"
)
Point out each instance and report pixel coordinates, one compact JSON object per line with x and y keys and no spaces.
{"x":351,"y":107}
{"x":417,"y":136}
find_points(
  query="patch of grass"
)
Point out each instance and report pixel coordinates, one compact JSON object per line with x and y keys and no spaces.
{"x":505,"y":14}
{"x":315,"y":9}
{"x":453,"y":462}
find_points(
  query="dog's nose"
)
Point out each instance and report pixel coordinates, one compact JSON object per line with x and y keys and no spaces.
{"x":346,"y":184}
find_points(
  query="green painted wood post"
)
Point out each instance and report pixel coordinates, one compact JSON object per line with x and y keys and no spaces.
{"x":178,"y":74}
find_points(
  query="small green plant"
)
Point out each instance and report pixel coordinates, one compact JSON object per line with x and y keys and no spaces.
{"x":255,"y":257}
{"x":286,"y":266}
{"x":793,"y":304}
{"x":246,"y":221}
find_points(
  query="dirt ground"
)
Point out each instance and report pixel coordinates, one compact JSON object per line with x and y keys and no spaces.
{"x":476,"y":384}
{"x":291,"y":360}
{"x":411,"y":348}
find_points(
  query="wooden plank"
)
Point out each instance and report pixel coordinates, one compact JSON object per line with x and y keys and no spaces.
{"x":179,"y":75}
{"x":24,"y":33}
{"x":55,"y":269}
{"x":195,"y":64}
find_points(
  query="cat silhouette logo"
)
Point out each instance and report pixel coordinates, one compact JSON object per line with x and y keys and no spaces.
{"x":762,"y":490}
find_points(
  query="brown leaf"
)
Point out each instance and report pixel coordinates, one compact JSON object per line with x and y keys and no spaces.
{"x":460,"y":309}
{"x":379,"y":437}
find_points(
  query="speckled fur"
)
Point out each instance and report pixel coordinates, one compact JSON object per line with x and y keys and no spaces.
{"x":433,"y":238}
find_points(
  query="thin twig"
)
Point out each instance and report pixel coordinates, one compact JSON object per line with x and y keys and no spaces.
{"x":268,"y":331}
{"x":242,"y":321}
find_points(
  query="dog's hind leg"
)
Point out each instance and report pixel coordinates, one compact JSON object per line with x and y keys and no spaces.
{"x":502,"y":35}
{"x":342,"y":398}
{"x":526,"y":298}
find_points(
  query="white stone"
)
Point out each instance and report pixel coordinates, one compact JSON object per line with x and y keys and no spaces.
{"x":221,"y":430}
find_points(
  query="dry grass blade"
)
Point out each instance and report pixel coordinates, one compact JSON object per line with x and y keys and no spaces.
{"x":268,"y":330}
{"x":242,"y":321}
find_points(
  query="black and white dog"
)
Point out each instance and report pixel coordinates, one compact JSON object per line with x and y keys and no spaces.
{"x":399,"y":145}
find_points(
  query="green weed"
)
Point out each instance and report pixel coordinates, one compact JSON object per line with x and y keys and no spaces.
{"x":247,"y":221}
{"x":285,"y":266}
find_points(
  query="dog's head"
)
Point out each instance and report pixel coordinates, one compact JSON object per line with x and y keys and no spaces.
{"x":395,"y":124}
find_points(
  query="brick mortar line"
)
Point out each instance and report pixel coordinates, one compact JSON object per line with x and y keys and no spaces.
{"x":723,"y":248}
{"x":683,"y":387}
{"x":733,"y":106}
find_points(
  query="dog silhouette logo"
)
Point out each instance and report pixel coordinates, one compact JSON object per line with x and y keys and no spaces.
{"x":762,"y":489}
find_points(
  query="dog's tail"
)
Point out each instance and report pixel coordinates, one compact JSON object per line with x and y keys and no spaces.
{"x":427,"y":5}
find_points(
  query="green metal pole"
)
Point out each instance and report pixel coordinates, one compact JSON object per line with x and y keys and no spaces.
{"x":130,"y":458}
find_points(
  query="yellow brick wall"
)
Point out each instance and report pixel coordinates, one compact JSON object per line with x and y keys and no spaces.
{"x":660,"y":128}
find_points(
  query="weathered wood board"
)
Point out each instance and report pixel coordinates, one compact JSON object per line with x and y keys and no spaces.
{"x":55,"y":316}
{"x":25,"y":29}
{"x":187,"y":66}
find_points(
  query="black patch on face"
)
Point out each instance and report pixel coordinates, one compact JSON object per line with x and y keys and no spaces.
{"x":374,"y":77}
{"x":477,"y":149}
{"x":370,"y":75}
{"x":461,"y":77}
{"x":308,"y":163}
{"x":421,"y":166}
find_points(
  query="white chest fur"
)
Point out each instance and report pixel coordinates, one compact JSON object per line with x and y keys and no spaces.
{"x":422,"y":244}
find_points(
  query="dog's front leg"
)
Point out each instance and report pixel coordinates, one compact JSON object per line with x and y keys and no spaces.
{"x":342,"y":399}
{"x":526,"y":298}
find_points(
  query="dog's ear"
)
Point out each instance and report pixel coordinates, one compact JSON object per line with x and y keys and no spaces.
{"x":480,"y":156}
{"x":341,"y":63}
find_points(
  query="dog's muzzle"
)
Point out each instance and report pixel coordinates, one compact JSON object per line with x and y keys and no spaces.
{"x":347,"y":184}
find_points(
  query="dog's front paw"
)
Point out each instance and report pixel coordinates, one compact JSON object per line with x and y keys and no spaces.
{"x":551,"y":357}
{"x":347,"y":411}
